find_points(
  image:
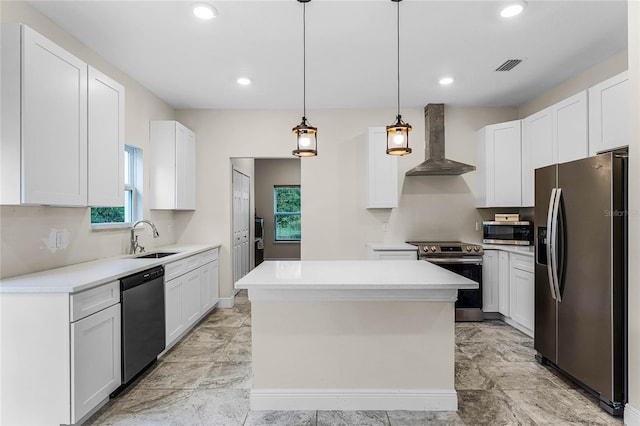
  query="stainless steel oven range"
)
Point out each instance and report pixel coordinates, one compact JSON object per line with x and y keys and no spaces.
{"x":464,"y":259}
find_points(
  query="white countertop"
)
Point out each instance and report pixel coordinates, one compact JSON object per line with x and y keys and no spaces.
{"x":353,"y":280}
{"x":392,"y":246}
{"x":82,"y":276}
{"x":524,"y":250}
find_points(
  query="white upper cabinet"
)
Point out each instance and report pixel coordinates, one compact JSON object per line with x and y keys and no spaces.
{"x":173,"y":166}
{"x":609,"y":115}
{"x":499,"y":154}
{"x":570,"y":126}
{"x":556,"y":134}
{"x":382,"y":171}
{"x":44,"y":121}
{"x":105,"y":141}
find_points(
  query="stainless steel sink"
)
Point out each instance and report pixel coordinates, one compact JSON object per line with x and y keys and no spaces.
{"x":156,"y":255}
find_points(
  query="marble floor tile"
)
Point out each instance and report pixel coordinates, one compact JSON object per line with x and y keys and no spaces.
{"x":555,"y":406}
{"x":289,"y":418}
{"x":236,"y":351}
{"x":199,"y":352}
{"x":352,"y":418}
{"x":421,"y":418}
{"x":519,"y":375}
{"x":217,"y":407}
{"x":490,"y":407}
{"x":227,"y":375}
{"x":176,"y":375}
{"x":230,"y":319}
{"x":210,"y":335}
{"x":243,"y":335}
{"x":470,"y":377}
{"x":149,"y":407}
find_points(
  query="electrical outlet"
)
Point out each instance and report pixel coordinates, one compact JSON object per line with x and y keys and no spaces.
{"x":478,"y":228}
{"x":59,"y":239}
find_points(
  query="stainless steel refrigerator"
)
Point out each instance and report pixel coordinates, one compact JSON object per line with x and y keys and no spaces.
{"x":580,"y":273}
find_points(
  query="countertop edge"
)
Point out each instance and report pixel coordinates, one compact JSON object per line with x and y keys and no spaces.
{"x":511,"y":249}
{"x":118,"y":266}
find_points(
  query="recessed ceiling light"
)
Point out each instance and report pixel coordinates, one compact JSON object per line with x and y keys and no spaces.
{"x":513,"y":9}
{"x":243,"y":81}
{"x":446,"y":81}
{"x":204,"y":11}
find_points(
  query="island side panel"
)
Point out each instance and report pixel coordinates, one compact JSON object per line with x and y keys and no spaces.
{"x":353,"y":355}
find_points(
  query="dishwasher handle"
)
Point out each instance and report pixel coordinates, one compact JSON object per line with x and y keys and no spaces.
{"x":135,"y":280}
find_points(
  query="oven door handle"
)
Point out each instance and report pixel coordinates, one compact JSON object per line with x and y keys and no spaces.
{"x":453,"y":261}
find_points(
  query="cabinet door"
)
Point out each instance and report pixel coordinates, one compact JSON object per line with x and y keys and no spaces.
{"x":95,"y":360}
{"x":503,"y":284}
{"x":609,"y":125}
{"x":522,"y":297}
{"x":504,"y":186}
{"x":490,"y":281}
{"x":54,"y":124}
{"x":381,"y":171}
{"x":185,"y":168}
{"x":571,"y":128}
{"x":105,"y":141}
{"x":537,"y":150}
{"x":191,"y":297}
{"x":205,"y":287}
{"x":173,"y":300}
{"x":214,"y":283}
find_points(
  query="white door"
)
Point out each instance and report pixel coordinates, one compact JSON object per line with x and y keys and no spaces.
{"x":571,"y":128}
{"x":537,"y":150}
{"x":490,"y":281}
{"x":95,"y":360}
{"x":503,"y":283}
{"x":609,"y":114}
{"x":241,"y":224}
{"x":522,"y":297}
{"x":174,"y":324}
{"x":54,"y":124}
{"x":185,"y":168}
{"x":504,"y":180}
{"x":105,"y":141}
{"x":191,"y":297}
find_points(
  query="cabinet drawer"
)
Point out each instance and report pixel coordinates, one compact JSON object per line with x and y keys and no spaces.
{"x":93,"y":300}
{"x":192,"y":262}
{"x":524,"y":263}
{"x":208,"y":256}
{"x":175,"y":269}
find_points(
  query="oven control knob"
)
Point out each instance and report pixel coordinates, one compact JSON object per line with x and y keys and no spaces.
{"x":468,"y":249}
{"x":433,"y":248}
{"x":476,"y":249}
{"x":425,"y":248}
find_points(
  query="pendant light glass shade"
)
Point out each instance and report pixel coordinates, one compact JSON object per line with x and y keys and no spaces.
{"x":306,"y":135}
{"x":398,"y":137}
{"x":306,"y":139}
{"x":398,"y":132}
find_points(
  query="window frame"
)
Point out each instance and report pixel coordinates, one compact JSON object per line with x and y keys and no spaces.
{"x":134,"y":186}
{"x":276,"y":214}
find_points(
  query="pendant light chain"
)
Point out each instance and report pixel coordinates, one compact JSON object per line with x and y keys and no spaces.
{"x":398,"y":49}
{"x":304,"y":59}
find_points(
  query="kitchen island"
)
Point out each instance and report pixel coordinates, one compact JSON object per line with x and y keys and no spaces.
{"x":353,"y":335}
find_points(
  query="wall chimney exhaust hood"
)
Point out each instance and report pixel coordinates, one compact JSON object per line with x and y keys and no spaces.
{"x":435,"y":163}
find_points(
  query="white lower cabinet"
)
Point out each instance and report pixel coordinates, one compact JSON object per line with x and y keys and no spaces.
{"x":190,"y":293}
{"x":503,"y":283}
{"x":522,"y":297}
{"x":490,"y":290}
{"x":95,"y":360}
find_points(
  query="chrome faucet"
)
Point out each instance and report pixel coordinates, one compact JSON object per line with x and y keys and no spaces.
{"x":134,"y":238}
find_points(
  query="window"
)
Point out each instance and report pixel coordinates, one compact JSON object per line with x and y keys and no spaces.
{"x":104,"y":217}
{"x":286,"y":208}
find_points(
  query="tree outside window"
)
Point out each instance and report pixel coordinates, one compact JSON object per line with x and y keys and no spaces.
{"x":286,"y":207}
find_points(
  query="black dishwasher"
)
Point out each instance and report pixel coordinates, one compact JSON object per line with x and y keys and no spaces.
{"x":143,"y":321}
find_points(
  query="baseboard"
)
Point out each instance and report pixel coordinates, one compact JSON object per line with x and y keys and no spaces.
{"x":518,"y":326}
{"x":226,"y":302}
{"x":631,"y":416}
{"x":354,"y":399}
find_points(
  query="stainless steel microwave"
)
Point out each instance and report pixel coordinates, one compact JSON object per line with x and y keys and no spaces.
{"x":513,"y":233}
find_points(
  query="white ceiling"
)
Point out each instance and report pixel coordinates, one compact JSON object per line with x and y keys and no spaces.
{"x":351,"y":49}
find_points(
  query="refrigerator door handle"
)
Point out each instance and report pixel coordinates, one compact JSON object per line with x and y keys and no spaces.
{"x":550,"y":243}
{"x":554,"y":248}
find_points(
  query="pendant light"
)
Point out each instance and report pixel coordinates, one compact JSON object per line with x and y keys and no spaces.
{"x":306,"y":134}
{"x":398,"y":132}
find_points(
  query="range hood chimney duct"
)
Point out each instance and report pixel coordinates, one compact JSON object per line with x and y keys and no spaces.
{"x":435,"y":163}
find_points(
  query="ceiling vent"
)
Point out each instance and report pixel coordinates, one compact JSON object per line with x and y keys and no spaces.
{"x":509,"y":64}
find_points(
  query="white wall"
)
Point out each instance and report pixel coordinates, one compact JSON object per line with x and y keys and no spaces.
{"x":634,"y":209}
{"x":582,"y":81}
{"x":23,"y":228}
{"x":268,"y":173}
{"x":335,"y":223}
